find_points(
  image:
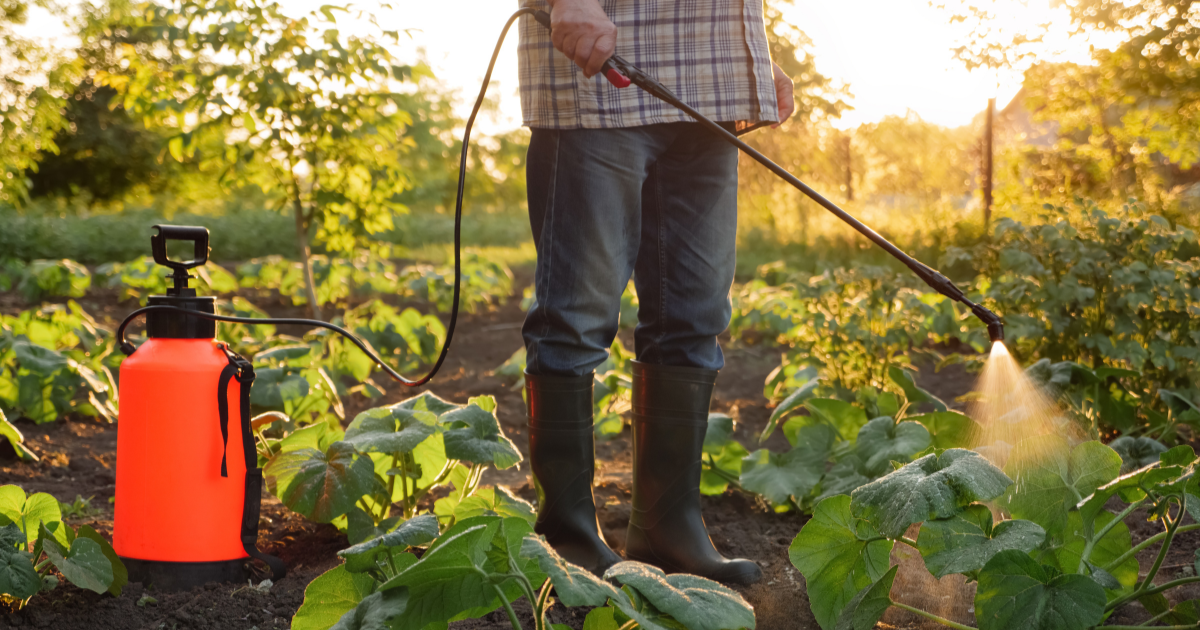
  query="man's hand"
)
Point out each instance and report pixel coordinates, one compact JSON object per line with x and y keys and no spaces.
{"x":583,"y":33}
{"x":785,"y":98}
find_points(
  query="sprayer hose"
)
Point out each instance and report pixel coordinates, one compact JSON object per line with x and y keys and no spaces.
{"x":128,"y":348}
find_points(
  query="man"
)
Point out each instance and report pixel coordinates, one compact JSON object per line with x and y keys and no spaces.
{"x":622,"y":184}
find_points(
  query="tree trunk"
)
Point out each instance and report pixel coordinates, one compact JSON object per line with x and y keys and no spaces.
{"x":302,"y":245}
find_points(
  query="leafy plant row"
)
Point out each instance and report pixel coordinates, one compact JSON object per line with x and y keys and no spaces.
{"x":1116,"y":296}
{"x":485,"y":563}
{"x":1036,"y":537}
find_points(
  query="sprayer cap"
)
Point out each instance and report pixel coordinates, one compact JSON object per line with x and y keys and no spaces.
{"x":172,"y":325}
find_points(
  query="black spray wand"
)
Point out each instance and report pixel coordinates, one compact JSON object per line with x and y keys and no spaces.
{"x":621,"y":74}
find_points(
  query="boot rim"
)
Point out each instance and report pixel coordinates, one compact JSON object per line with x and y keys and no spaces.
{"x":674,"y":372}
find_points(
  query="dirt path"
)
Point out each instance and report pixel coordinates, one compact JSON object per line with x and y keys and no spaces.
{"x":78,"y":458}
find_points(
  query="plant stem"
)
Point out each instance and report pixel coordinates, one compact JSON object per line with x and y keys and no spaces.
{"x":1146,"y":543}
{"x":418,"y":494}
{"x":629,"y":625}
{"x":1098,"y":536}
{"x":908,"y":541}
{"x":932,"y":617}
{"x":542,"y":600}
{"x":1162,"y":552}
{"x":512,"y":614}
{"x":1156,"y":617}
{"x":1116,"y":603}
{"x":396,"y":459}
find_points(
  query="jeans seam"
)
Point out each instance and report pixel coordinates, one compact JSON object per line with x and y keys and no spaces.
{"x":548,"y":236}
{"x":662,"y":264}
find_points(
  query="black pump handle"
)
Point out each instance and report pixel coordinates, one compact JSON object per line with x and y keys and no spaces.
{"x":198,"y":236}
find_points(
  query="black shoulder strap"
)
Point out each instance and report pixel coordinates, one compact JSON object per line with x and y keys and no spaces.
{"x":243,"y":371}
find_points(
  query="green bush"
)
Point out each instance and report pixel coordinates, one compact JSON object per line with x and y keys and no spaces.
{"x":1098,"y":289}
{"x":125,"y":236}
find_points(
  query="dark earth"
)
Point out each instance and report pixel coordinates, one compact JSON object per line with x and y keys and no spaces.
{"x":78,"y":459}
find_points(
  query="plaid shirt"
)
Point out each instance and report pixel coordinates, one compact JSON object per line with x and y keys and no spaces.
{"x":712,"y":53}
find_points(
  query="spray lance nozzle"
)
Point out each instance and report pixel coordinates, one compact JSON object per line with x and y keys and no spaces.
{"x":946,"y":287}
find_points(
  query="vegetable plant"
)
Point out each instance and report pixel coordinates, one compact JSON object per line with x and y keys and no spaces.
{"x":835,"y":446}
{"x":53,"y":361}
{"x":34,"y":539}
{"x":1061,"y":560}
{"x":484,"y":563}
{"x":388,"y":460}
{"x":54,"y":278}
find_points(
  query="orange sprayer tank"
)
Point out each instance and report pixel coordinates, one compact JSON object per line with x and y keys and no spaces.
{"x":186,"y":509}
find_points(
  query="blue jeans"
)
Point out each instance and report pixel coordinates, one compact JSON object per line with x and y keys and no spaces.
{"x":657,"y":202}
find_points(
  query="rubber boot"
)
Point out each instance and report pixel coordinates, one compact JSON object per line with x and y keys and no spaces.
{"x":666,"y":528}
{"x":563,"y":459}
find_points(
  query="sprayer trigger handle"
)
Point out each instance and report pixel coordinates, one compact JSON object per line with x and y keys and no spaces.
{"x":615,"y":77}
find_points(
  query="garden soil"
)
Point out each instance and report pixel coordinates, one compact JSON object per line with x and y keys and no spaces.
{"x":78,"y":459}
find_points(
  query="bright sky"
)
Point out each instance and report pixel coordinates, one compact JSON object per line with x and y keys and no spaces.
{"x":895,"y":55}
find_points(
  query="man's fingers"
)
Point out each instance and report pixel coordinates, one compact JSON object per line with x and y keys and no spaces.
{"x":787,"y":103}
{"x":569,"y":44}
{"x":583,"y":55}
{"x":602,"y":49}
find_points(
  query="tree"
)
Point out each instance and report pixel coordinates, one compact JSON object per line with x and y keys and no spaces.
{"x":102,"y":151}
{"x":31,"y":100}
{"x":1130,"y":119}
{"x":308,"y":113}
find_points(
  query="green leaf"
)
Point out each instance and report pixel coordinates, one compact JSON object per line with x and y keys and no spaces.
{"x":778,"y":476}
{"x":17,"y":576}
{"x":10,"y":432}
{"x":837,"y":562}
{"x":845,"y":418}
{"x":1016,"y":592}
{"x":574,"y":585}
{"x":695,"y":602}
{"x":474,"y":435}
{"x":120,"y":573}
{"x":84,"y":565}
{"x":1050,"y":478}
{"x":321,"y":486}
{"x":273,"y":387}
{"x":905,"y":381}
{"x":497,"y":501}
{"x":949,"y":429}
{"x":30,"y":514}
{"x":427,"y":402}
{"x":1178,"y":403}
{"x":1116,"y":542}
{"x":883,"y":440}
{"x":38,"y":360}
{"x":416,"y":531}
{"x":719,"y":433}
{"x":327,"y":598}
{"x":390,"y":430}
{"x":965,"y":542}
{"x":1128,"y":486}
{"x":1137,"y":452}
{"x":793,"y":402}
{"x":451,"y":577}
{"x":600,"y":619}
{"x":375,"y":611}
{"x":935,"y":486}
{"x":865,"y":609}
{"x":175,"y":146}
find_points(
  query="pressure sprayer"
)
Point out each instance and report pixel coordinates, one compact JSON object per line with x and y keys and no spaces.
{"x":188,"y":481}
